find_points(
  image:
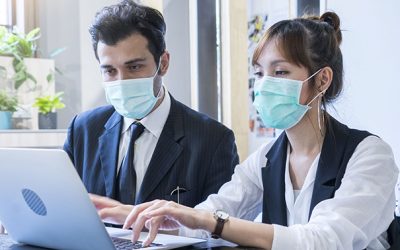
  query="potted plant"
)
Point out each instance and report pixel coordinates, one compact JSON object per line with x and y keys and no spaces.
{"x":47,"y":106}
{"x":8,"y":105}
{"x":27,"y":74}
{"x":19,"y":46}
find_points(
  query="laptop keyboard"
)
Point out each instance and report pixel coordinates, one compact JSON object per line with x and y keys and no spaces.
{"x":122,"y":244}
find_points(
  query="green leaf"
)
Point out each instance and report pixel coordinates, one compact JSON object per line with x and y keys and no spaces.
{"x":8,"y":102}
{"x":25,"y":48}
{"x":20,"y":78}
{"x":49,"y":103}
{"x":33,"y":35}
{"x":31,"y":77}
{"x":50,"y":77}
{"x":3,"y":32}
{"x":19,"y":46}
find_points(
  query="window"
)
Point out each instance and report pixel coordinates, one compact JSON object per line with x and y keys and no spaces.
{"x":6,"y":13}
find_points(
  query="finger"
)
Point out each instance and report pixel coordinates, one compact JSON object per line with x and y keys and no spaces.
{"x":170,"y":209}
{"x":112,"y":215}
{"x":177,"y":215}
{"x":162,"y":211}
{"x":153,"y":225}
{"x":102,"y":202}
{"x":141,"y":219}
{"x":131,"y":218}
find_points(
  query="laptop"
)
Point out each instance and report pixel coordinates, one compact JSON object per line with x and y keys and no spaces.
{"x":43,"y":202}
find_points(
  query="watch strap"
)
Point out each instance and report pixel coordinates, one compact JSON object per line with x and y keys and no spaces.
{"x":218,"y":228}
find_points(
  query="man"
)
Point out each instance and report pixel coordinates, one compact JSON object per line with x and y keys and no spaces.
{"x":145,"y":145}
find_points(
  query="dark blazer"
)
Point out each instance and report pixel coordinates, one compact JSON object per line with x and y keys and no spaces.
{"x":193,"y":152}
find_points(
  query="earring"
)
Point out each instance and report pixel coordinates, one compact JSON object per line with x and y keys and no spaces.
{"x":319,"y":115}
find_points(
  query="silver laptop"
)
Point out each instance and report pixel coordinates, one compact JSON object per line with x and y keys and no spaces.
{"x":44,"y":203}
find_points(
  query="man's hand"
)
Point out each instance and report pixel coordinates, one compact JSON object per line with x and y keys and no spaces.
{"x":109,"y":210}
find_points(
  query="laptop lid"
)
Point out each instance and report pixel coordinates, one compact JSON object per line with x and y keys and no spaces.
{"x":43,"y":202}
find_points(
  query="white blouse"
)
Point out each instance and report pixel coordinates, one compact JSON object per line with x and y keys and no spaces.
{"x":361,"y":210}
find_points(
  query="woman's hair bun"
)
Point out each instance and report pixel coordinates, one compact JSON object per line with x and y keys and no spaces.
{"x":333,"y":20}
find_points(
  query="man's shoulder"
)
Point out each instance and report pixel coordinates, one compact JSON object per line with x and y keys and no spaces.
{"x":194,"y":118}
{"x":96,"y":115}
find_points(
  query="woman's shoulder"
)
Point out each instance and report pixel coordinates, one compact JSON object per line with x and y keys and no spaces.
{"x":374,"y":144}
{"x":258,"y":158}
{"x":373,"y":153}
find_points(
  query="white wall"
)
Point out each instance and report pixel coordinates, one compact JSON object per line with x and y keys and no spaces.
{"x":178,"y":78}
{"x":371,"y":53}
{"x":60,"y":29}
{"x":91,"y":80}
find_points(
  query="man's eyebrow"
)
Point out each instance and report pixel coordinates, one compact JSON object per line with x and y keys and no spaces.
{"x":106,"y":66}
{"x":135,"y":61}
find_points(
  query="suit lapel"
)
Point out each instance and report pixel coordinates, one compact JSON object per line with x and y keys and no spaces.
{"x":109,"y":147}
{"x":273,"y":175}
{"x":330,"y":161}
{"x":165,"y":154}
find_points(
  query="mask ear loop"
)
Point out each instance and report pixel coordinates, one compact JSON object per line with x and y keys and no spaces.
{"x":155,"y":74}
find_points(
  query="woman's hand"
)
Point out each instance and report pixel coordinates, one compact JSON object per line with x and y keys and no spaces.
{"x":109,"y":210}
{"x":166,"y":215}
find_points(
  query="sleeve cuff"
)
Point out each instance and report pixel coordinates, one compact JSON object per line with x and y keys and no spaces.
{"x":284,"y":238}
{"x":193,"y":233}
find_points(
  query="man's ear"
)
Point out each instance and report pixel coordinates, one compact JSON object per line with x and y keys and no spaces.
{"x":164,"y":63}
{"x":325,"y":79}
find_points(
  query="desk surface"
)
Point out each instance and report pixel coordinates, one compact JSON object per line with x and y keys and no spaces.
{"x":7,"y":244}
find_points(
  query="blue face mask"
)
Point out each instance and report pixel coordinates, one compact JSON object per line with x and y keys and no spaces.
{"x":132,"y":98}
{"x":277,"y":100}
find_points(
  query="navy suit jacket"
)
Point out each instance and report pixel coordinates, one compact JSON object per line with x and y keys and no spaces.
{"x":193,"y":152}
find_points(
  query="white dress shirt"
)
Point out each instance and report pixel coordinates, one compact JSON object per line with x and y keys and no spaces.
{"x":146,"y":143}
{"x":361,"y":210}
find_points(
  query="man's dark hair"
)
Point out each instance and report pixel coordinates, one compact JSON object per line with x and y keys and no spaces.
{"x":117,"y":22}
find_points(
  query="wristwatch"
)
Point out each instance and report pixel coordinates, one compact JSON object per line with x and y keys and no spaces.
{"x":221,"y":217}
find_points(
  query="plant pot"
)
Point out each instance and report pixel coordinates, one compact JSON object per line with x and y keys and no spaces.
{"x":5,"y":119}
{"x":48,"y":121}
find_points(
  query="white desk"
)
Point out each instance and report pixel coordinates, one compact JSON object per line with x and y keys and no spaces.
{"x":44,"y":138}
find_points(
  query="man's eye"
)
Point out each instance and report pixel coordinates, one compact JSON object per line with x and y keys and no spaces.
{"x":258,"y":74}
{"x":134,"y":67}
{"x":108,"y":71}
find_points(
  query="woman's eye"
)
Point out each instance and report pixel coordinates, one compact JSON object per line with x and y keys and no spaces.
{"x":281,"y":72}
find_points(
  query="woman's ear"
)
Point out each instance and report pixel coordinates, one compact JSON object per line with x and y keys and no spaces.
{"x":325,"y":79}
{"x":164,"y":63}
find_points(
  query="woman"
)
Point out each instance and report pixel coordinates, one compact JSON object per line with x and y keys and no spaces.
{"x":320,"y":185}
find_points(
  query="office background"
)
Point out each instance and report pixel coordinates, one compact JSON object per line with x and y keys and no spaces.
{"x":208,"y":43}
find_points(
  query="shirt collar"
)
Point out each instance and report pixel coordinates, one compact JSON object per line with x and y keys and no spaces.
{"x":153,"y":122}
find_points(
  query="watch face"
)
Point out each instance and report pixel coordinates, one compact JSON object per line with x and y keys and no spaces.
{"x":222,"y":214}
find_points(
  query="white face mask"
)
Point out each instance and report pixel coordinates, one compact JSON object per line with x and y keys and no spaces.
{"x":132,"y":98}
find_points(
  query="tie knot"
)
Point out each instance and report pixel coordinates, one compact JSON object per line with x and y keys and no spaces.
{"x":136,"y":130}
